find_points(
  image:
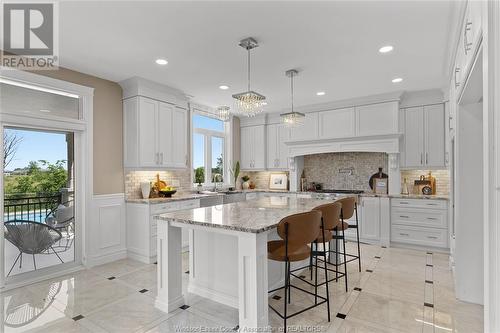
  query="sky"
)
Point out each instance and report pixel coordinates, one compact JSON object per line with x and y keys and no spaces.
{"x":35,"y":145}
{"x":198,"y":140}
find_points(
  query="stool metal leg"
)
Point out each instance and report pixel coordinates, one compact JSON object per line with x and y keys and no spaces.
{"x":345,"y":260}
{"x":326,"y":274}
{"x":357,"y":235}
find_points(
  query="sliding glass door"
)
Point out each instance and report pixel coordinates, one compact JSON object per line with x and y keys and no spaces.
{"x":39,"y":199}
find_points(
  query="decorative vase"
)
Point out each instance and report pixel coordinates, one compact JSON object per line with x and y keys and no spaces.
{"x":245,"y":185}
{"x":145,"y":189}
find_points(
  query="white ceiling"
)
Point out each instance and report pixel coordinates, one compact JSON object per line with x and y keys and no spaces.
{"x":333,"y":44}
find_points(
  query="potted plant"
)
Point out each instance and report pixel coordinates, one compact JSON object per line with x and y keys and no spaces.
{"x":245,"y":184}
{"x":199,"y":177}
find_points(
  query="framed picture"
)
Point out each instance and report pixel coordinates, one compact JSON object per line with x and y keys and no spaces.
{"x":278,"y":181}
{"x":381,"y":185}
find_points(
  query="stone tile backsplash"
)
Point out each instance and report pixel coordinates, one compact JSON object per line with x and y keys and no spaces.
{"x":133,"y":180}
{"x":442,"y":179}
{"x":344,"y":170}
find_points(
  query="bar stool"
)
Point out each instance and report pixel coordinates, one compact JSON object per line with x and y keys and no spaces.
{"x":296,"y":231}
{"x":349,"y":209}
{"x":332,"y":223}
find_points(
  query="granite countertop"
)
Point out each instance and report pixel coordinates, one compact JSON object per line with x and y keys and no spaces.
{"x":407,"y":196}
{"x":252,"y":216}
{"x":190,"y":195}
{"x":175,"y":197}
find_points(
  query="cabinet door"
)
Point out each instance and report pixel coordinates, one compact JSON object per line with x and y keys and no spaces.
{"x":337,"y":123}
{"x":283,"y":136}
{"x":246,"y":148}
{"x":259,"y":147}
{"x":179,"y":138}
{"x":164,"y":136}
{"x":130,"y":132}
{"x":434,"y":130}
{"x":370,"y":222}
{"x":414,"y":141}
{"x":377,"y":119}
{"x":308,"y":131}
{"x":148,"y":127}
{"x":272,"y":146}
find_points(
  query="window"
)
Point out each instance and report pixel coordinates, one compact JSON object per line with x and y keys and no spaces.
{"x":209,"y":158}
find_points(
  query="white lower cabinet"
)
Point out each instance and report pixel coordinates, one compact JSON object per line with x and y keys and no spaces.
{"x":421,"y":222}
{"x":142,"y":227}
{"x":370,"y":216}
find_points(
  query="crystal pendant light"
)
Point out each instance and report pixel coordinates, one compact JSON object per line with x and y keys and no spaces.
{"x":249,"y":103}
{"x":293,"y":118}
{"x":223,"y":113}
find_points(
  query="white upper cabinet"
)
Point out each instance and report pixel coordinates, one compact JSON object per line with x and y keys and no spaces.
{"x":424,"y":141}
{"x":434,"y":132}
{"x":377,"y":119}
{"x":155,"y":134}
{"x":179,"y":136}
{"x":147,"y":133}
{"x":414,"y":136}
{"x":337,"y":123}
{"x":277,"y":156}
{"x":308,"y":131}
{"x":253,"y":148}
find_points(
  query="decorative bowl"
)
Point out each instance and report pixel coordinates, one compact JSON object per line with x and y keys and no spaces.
{"x":167,"y":194}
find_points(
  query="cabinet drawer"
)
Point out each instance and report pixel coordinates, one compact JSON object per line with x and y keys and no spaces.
{"x":420,"y":203}
{"x":419,"y":236}
{"x":419,"y":217}
{"x":164,"y":208}
{"x":189,"y":204}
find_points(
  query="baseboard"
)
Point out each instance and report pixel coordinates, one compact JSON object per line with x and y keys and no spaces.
{"x":213,"y":295}
{"x":141,"y":258}
{"x":106,"y":258}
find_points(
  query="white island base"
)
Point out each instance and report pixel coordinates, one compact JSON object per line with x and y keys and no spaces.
{"x":228,"y":255}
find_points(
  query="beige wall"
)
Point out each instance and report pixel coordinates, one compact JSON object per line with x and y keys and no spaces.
{"x":108,"y":137}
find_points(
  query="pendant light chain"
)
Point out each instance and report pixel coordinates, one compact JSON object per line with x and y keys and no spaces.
{"x":248,"y":50}
{"x":291,"y":84}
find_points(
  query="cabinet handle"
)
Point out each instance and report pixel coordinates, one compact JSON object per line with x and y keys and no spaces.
{"x":432,"y":237}
{"x":432,"y":218}
{"x":431,"y":204}
{"x":421,"y":158}
{"x":466,"y":42}
{"x":157,"y":158}
{"x":403,"y":234}
{"x":426,"y":158}
{"x":457,"y":70}
{"x":161,"y":156}
{"x":404,"y":202}
{"x":404,"y":216}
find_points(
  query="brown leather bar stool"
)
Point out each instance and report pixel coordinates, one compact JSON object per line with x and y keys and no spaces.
{"x":297,"y":232}
{"x":349,"y":209}
{"x":332,"y":223}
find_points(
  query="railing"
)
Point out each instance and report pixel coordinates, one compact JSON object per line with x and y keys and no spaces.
{"x":32,"y":208}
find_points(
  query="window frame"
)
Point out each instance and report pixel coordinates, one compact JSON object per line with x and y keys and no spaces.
{"x":207,"y":135}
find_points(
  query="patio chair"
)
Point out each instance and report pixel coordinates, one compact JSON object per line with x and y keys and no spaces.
{"x":62,"y":218}
{"x":31,"y":238}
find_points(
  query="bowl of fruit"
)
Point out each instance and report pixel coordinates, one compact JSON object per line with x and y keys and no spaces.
{"x":167,"y":191}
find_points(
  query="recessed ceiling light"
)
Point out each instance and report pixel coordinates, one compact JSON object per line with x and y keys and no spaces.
{"x":161,"y":61}
{"x":386,"y":49}
{"x":320,"y":93}
{"x":45,"y":110}
{"x":397,"y":80}
{"x":223,"y":87}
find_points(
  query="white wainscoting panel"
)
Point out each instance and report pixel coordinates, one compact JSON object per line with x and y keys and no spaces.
{"x":106,"y":232}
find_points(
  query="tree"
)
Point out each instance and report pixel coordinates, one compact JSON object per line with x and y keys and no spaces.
{"x":11,"y":143}
{"x":48,"y":178}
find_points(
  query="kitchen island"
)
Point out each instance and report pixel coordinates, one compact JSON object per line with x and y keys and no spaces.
{"x":245,"y":228}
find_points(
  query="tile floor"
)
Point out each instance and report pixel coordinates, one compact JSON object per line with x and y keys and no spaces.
{"x":401,"y":291}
